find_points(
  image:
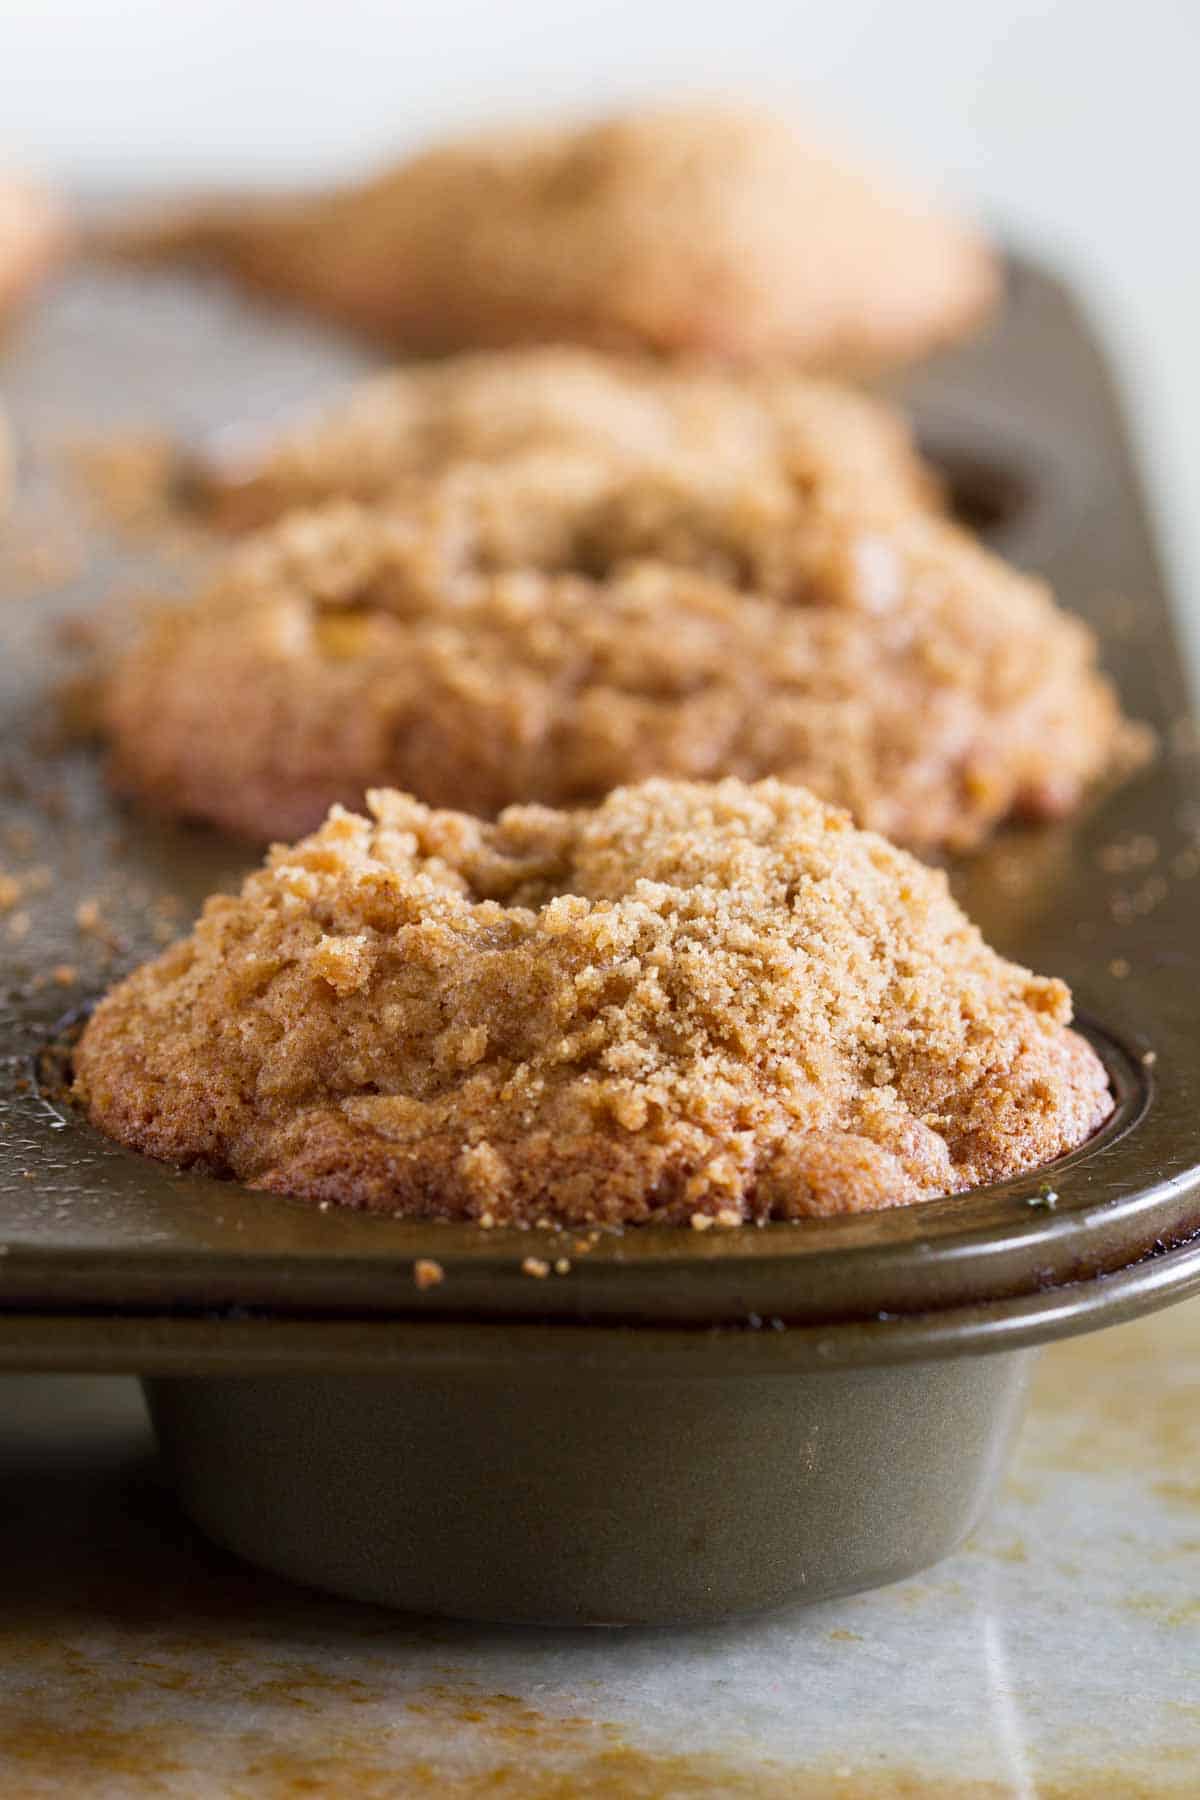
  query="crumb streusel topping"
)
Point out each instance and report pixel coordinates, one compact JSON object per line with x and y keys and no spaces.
{"x":612,"y":420}
{"x":690,"y":1000}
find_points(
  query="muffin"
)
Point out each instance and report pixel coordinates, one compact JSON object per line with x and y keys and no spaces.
{"x":536,"y":630}
{"x":32,"y":235}
{"x":606,"y":419}
{"x":690,"y":1002}
{"x":712,"y":228}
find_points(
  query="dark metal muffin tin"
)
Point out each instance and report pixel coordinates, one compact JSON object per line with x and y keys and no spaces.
{"x":682,"y":1425}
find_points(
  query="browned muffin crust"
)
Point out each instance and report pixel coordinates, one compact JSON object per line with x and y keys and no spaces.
{"x":716,"y":1001}
{"x":702,"y":227}
{"x":557,"y":621}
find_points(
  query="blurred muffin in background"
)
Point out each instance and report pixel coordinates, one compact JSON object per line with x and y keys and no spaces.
{"x":33,"y":234}
{"x":710,"y":228}
{"x":541,"y":574}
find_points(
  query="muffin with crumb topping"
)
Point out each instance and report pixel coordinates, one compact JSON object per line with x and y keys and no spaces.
{"x":710,"y":227}
{"x":540,"y":575}
{"x":543,"y":634}
{"x":693,"y":1002}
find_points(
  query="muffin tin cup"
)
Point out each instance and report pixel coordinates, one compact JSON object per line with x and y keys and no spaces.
{"x":553,"y":1475}
{"x":593,"y":1497}
{"x":680,"y":1425}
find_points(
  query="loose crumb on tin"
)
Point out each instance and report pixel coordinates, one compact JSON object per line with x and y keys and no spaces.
{"x":88,"y":916}
{"x":427,"y":1273}
{"x":1124,"y":854}
{"x":133,"y":485}
{"x":726,"y":1216}
{"x":535,"y":1266}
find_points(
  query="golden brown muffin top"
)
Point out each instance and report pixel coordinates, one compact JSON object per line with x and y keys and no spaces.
{"x":703,"y":227}
{"x":613,"y":418}
{"x":722,"y":1000}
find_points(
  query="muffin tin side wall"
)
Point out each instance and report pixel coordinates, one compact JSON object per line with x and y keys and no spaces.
{"x":580,"y":1498}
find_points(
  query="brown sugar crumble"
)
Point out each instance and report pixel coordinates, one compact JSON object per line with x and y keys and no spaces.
{"x":574,"y":574}
{"x":535,"y":438}
{"x":691,"y":1002}
{"x":427,"y":1273}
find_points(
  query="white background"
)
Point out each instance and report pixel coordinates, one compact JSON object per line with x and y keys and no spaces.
{"x":1075,"y":124}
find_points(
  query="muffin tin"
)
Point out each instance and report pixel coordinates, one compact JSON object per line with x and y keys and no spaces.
{"x":681,"y":1425}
